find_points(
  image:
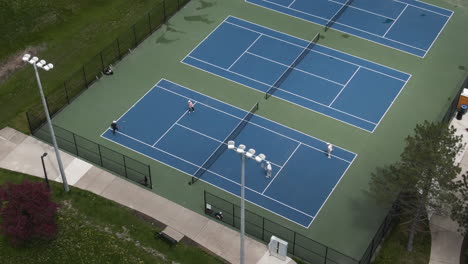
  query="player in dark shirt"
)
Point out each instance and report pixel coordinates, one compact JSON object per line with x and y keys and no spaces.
{"x":114,"y":127}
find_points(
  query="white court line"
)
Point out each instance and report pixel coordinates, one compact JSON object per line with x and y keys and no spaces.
{"x":345,"y":32}
{"x":333,"y":189}
{"x":210,"y":171}
{"x":437,"y":37}
{"x":254,"y":124}
{"x":254,"y":203}
{"x":328,"y":55}
{"x":422,"y":8}
{"x":295,"y":209}
{"x":245,"y":51}
{"x":307,"y":135}
{"x":203,"y":40}
{"x":287,"y":101}
{"x":291,"y":3}
{"x":394,"y":99}
{"x":294,"y":68}
{"x":170,"y":128}
{"x":273,"y":3}
{"x":200,"y":133}
{"x":200,"y":167}
{"x":281,"y":168}
{"x":212,"y":138}
{"x":102,"y":135}
{"x":394,"y":21}
{"x":156,"y":148}
{"x":362,"y":30}
{"x":267,"y":129}
{"x":363,"y":10}
{"x":302,"y":97}
{"x":305,"y":40}
{"x":352,"y":76}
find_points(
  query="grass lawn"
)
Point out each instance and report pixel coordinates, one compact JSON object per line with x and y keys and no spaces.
{"x":67,"y":33}
{"x":393,"y":249}
{"x":95,"y":230}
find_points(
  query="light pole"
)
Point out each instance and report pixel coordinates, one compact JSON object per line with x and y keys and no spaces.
{"x":259,"y":158}
{"x":43,"y":65}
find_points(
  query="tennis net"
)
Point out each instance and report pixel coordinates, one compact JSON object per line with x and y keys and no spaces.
{"x":220,"y":150}
{"x":337,"y":15}
{"x":296,"y":62}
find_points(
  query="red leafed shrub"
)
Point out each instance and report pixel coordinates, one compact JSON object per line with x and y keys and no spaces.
{"x":26,"y":212}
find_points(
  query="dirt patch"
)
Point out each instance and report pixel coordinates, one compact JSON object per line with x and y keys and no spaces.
{"x":12,"y":63}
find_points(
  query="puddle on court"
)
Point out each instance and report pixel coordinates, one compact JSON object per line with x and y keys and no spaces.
{"x":205,"y":4}
{"x":200,"y":18}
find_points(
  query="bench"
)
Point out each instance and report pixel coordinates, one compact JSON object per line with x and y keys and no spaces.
{"x":170,"y":235}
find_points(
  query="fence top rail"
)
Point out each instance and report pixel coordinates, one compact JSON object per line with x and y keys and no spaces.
{"x":321,"y":244}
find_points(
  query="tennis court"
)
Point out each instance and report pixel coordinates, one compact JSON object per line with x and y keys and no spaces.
{"x":159,"y":126}
{"x":407,"y":25}
{"x":341,"y":86}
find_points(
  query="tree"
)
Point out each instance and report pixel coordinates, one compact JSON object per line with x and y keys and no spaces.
{"x":460,"y":206}
{"x":423,"y":178}
{"x":26,"y":212}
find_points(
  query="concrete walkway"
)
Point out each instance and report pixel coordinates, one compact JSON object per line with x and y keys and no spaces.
{"x":19,"y":152}
{"x":446,"y":241}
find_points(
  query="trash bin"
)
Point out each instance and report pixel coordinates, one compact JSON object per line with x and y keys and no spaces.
{"x":461,"y":111}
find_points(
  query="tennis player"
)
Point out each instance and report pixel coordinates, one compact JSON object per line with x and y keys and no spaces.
{"x":268,"y":169}
{"x":190,"y":107}
{"x":330,"y":149}
{"x":114,"y":127}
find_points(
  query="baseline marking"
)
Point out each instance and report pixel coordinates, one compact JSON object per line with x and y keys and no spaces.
{"x":294,"y":68}
{"x":170,"y":128}
{"x":394,"y":21}
{"x":244,"y":52}
{"x":308,"y":99}
{"x":281,"y":168}
{"x":316,"y":51}
{"x":345,"y":86}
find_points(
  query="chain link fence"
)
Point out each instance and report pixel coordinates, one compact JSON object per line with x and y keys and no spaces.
{"x":111,"y":160}
{"x":82,"y":79}
{"x":93,"y":70}
{"x":299,"y":246}
{"x":454,"y":103}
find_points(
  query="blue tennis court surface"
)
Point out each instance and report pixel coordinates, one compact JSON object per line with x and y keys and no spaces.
{"x":159,"y":126}
{"x":330,"y":82}
{"x":407,"y":25}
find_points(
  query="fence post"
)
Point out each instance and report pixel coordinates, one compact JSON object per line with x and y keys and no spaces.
{"x":150,"y":177}
{"x":102,"y":61}
{"x":326,"y":255}
{"x":263,"y":228}
{"x":233,"y":215}
{"x":84,"y":77}
{"x":76,"y":145}
{"x":125,"y":167}
{"x":100,"y":155}
{"x":164,"y":10}
{"x":149,"y":23}
{"x":29,"y":123}
{"x":372,"y":249}
{"x":294,"y":243}
{"x":204,"y":201}
{"x":118,"y":48}
{"x":66,"y":92}
{"x":134,"y":35}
